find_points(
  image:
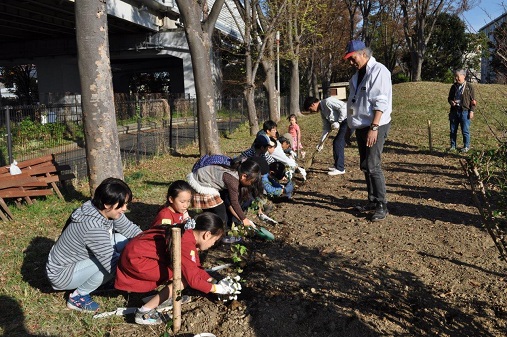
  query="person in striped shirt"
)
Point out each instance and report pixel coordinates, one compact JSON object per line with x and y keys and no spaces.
{"x":86,"y":254}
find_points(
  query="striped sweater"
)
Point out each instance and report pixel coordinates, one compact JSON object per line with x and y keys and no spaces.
{"x":88,"y":234}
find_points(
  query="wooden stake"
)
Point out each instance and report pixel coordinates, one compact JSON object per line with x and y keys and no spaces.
{"x":429,"y":136}
{"x":177,"y":285}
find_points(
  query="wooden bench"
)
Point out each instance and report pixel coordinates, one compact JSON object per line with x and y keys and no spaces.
{"x":39,"y":177}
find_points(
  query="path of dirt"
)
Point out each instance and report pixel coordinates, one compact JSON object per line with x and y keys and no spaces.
{"x":427,"y":270}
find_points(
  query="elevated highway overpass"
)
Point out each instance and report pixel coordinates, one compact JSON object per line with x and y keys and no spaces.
{"x":144,"y":36}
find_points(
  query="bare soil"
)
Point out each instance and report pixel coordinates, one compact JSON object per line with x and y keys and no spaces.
{"x":429,"y":269}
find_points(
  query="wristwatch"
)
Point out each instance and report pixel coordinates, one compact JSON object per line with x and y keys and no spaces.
{"x":374,"y":127}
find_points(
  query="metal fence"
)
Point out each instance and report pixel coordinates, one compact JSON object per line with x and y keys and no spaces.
{"x":147,"y":126}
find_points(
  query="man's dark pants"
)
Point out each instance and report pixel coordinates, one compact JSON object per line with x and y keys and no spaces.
{"x":370,"y":163}
{"x":339,"y":147}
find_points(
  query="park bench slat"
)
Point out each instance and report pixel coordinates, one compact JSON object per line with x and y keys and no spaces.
{"x":39,"y":177}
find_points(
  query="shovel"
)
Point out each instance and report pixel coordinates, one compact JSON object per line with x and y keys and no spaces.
{"x":263,"y":232}
{"x":309,"y":161}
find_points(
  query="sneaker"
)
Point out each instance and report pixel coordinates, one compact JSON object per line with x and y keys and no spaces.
{"x":335,"y":172}
{"x":370,"y":206}
{"x":82,"y":303}
{"x":451,"y":149}
{"x":331,"y":168}
{"x":381,"y":212}
{"x":151,"y":317}
{"x":464,"y":150}
{"x":167,"y":305}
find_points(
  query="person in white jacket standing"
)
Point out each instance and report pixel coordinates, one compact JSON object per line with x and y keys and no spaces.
{"x":369,"y":109}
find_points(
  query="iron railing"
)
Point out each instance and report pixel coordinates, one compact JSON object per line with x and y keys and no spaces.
{"x":147,"y":126}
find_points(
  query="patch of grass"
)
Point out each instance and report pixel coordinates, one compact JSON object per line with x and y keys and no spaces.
{"x":30,"y":307}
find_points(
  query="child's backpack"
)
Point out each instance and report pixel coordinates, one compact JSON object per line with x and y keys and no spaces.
{"x":212,"y":159}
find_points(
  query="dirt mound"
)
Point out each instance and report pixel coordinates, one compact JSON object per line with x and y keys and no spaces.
{"x":429,"y":269}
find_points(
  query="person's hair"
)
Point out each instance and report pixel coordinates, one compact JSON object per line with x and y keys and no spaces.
{"x":205,"y":221}
{"x":461,"y":72}
{"x":175,"y":189}
{"x":268,"y":125}
{"x":110,"y":192}
{"x":252,"y":170}
{"x":308,"y":102}
{"x":208,"y":221}
{"x":278,"y":169}
{"x":293,"y":116}
{"x":273,"y":140}
{"x":368,"y":52}
{"x":282,"y":140}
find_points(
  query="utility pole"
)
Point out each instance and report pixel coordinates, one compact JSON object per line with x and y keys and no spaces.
{"x":278,"y":69}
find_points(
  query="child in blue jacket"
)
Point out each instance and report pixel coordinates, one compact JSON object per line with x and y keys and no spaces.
{"x":271,"y":181}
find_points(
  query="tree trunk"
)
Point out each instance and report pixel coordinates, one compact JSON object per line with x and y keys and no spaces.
{"x":199,"y":26}
{"x":101,"y":133}
{"x":270,"y":82}
{"x":294,"y":87}
{"x":416,"y":66}
{"x":252,"y":112}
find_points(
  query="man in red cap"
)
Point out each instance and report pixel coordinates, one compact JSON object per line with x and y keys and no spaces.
{"x":369,"y":113}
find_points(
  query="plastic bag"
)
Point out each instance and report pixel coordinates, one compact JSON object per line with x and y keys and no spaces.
{"x":14,"y":169}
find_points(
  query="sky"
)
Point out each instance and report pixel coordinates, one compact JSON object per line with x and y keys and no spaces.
{"x":485,"y":12}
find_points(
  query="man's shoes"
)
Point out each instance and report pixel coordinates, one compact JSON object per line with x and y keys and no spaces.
{"x":381,"y":212}
{"x":451,"y":149}
{"x":331,"y":168}
{"x":464,"y":150}
{"x":335,"y":172}
{"x":370,"y":206}
{"x":151,"y":317}
{"x":82,"y":303}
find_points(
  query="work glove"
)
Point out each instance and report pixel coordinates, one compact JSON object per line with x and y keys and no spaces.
{"x":335,"y":125}
{"x":303,"y":172}
{"x":228,"y":288}
{"x":222,"y":289}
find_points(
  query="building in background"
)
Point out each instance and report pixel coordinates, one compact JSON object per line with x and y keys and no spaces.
{"x":488,"y":74}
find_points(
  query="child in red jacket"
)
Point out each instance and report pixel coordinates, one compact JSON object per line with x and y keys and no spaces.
{"x":145,"y":263}
{"x":175,"y":209}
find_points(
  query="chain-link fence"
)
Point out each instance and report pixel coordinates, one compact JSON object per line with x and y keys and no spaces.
{"x":148,"y":125}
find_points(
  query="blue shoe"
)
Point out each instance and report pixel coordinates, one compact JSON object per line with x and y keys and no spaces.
{"x":82,"y":303}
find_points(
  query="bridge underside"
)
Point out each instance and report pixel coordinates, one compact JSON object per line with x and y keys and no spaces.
{"x":42,"y":32}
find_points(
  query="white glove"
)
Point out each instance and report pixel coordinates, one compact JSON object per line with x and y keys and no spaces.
{"x":320,"y":146}
{"x":222,"y":289}
{"x":230,"y":287}
{"x":335,"y":125}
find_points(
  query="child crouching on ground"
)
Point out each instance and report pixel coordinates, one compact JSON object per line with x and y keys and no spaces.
{"x":145,"y":263}
{"x":271,"y":181}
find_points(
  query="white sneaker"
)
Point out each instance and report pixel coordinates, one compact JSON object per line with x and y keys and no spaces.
{"x":331,"y":168}
{"x":335,"y":172}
